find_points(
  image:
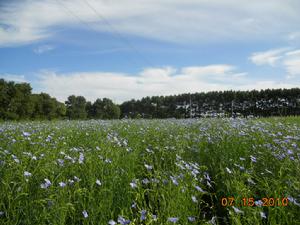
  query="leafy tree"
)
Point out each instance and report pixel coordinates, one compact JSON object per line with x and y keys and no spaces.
{"x":15,"y":100}
{"x":111,"y":111}
{"x":98,"y":109}
{"x":105,"y":109}
{"x":278,"y":102}
{"x":76,"y":107}
{"x":46,"y":107}
{"x":89,"y":110}
{"x":60,"y":110}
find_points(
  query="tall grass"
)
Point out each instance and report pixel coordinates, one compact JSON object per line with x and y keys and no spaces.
{"x":149,"y":171}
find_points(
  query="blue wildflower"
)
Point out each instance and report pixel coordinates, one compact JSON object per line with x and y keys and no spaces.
{"x":191,"y":219}
{"x":173,"y":219}
{"x":112,"y":222}
{"x":46,"y":184}
{"x":143,"y":215}
{"x":123,"y":221}
{"x":85,"y":214}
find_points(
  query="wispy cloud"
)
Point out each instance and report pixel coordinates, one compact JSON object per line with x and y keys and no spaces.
{"x":43,"y":48}
{"x":287,"y":59}
{"x":270,"y":57}
{"x":13,"y":77}
{"x":292,"y":63}
{"x":177,"y":21}
{"x":151,"y":81}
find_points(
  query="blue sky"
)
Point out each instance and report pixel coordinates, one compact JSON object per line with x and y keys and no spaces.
{"x":136,"y":48}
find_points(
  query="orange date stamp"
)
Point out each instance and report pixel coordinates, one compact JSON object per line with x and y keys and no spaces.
{"x":268,"y":202}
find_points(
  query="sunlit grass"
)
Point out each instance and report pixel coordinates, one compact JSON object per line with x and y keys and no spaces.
{"x":149,"y":171}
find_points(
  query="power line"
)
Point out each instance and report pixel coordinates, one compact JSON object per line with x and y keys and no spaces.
{"x":74,"y":15}
{"x":118,"y":34}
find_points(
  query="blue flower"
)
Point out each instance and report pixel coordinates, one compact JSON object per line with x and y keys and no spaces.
{"x":174,"y":180}
{"x":199,"y":189}
{"x":85,"y":214}
{"x":112,"y":222}
{"x":191,"y":219}
{"x":123,"y":221}
{"x":194,"y":199}
{"x":236,"y":210}
{"x":81,"y":158}
{"x":253,"y":159}
{"x":133,"y":205}
{"x":258,"y":203}
{"x":154,"y":217}
{"x":26,"y":134}
{"x":62,"y":184}
{"x":293,"y":200}
{"x":133,"y":184}
{"x":143,"y":214}
{"x":148,"y":167}
{"x":173,"y":219}
{"x":145,"y":181}
{"x":46,"y":184}
{"x":27,"y":174}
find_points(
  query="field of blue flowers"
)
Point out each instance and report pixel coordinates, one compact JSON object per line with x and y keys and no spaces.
{"x":197,"y":171}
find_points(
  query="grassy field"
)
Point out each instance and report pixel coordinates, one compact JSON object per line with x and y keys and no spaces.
{"x":206,"y":171}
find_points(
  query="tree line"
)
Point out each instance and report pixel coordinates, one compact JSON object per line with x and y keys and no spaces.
{"x":17,"y":102}
{"x":263,"y":103}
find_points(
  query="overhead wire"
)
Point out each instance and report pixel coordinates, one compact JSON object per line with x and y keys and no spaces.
{"x":115,"y":33}
{"x":74,"y":15}
{"x":118,"y":34}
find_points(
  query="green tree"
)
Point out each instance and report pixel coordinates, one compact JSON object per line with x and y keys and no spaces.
{"x":111,"y":111}
{"x":89,"y":110}
{"x":15,"y":100}
{"x":105,"y":109}
{"x":76,"y":107}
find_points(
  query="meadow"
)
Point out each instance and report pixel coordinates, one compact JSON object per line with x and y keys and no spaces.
{"x":193,"y":171}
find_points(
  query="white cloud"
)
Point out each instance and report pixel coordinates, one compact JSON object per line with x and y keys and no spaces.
{"x":287,"y":59}
{"x":180,"y":21}
{"x":18,"y":34}
{"x":149,"y":82}
{"x":292,"y":64}
{"x":270,"y":57}
{"x":207,"y":70}
{"x":43,"y":48}
{"x":13,"y":77}
{"x":293,"y":53}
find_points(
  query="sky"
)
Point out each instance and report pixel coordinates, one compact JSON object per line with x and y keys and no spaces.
{"x":136,"y":48}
